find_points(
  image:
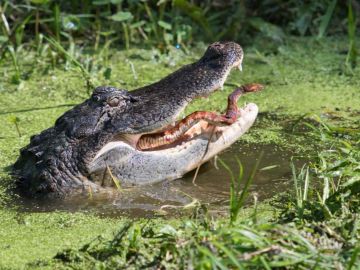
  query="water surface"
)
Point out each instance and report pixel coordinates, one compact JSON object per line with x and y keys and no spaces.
{"x":211,"y":186}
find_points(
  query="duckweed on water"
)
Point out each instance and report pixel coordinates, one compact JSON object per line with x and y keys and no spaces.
{"x":302,"y":78}
{"x":317,"y":228}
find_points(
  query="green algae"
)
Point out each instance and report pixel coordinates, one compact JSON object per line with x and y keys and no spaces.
{"x":38,"y":236}
{"x":301,"y":78}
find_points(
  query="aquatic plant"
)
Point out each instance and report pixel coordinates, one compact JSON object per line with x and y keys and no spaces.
{"x":302,"y":236}
{"x":315,"y":237}
{"x":69,"y":57}
{"x":301,"y":192}
{"x":239,"y":192}
{"x":15,"y":120}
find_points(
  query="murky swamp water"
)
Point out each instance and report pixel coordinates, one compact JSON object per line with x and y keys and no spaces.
{"x":212,"y":186}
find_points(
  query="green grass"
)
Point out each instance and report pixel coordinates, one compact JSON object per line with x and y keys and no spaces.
{"x":311,"y":232}
{"x":352,"y":52}
{"x":239,"y":192}
{"x":302,"y":78}
{"x":165,"y":23}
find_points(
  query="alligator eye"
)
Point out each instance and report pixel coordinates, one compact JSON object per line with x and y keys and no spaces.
{"x":96,"y":98}
{"x":113,"y":102}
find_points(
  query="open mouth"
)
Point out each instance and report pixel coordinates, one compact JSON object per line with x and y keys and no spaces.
{"x":183,"y":135}
{"x":133,"y":167}
{"x":200,"y":125}
{"x":199,"y":144}
{"x":139,"y":159}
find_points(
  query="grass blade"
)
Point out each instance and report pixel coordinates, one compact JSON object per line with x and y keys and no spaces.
{"x":325,"y":20}
{"x":352,"y":54}
{"x":75,"y":62}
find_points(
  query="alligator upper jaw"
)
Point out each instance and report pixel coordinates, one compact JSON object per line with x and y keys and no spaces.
{"x":134,"y":167}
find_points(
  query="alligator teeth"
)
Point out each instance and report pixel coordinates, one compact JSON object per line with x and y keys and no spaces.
{"x":240,"y":67}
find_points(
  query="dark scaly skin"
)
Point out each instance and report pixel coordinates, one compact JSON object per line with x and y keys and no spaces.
{"x":162,"y":102}
{"x":55,"y":163}
{"x":171,"y":135}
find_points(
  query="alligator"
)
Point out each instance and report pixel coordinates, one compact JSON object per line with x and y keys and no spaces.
{"x":126,"y":138}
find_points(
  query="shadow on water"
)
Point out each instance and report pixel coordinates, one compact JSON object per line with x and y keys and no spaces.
{"x":211,"y":187}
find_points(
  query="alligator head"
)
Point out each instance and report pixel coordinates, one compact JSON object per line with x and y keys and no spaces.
{"x":96,"y":142}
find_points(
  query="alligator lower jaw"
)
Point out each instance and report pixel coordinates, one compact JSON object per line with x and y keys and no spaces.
{"x":134,"y":167}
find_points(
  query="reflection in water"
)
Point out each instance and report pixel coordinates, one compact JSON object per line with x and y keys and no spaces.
{"x":212,"y":186}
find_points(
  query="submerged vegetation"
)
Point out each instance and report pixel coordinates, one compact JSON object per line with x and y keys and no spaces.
{"x":52,"y":54}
